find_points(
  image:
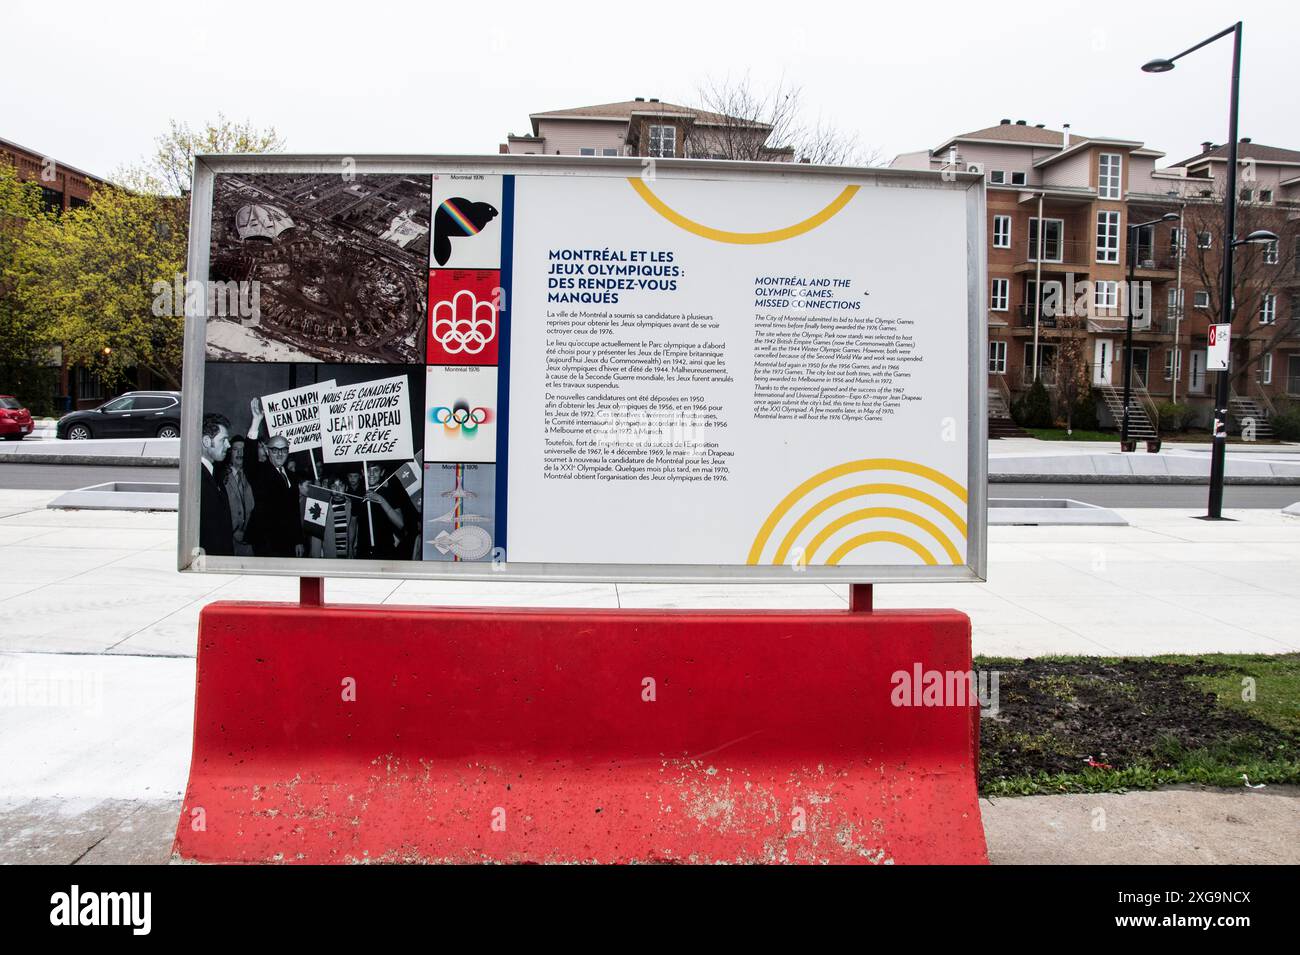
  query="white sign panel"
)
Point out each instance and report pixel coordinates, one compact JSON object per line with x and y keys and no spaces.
{"x":295,"y":414}
{"x":731,"y":373}
{"x":697,"y":371}
{"x":370,"y":421}
{"x":1216,"y":358}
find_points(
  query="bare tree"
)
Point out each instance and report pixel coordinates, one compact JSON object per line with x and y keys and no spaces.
{"x":739,"y":120}
{"x":1257,"y":270}
{"x":168,"y":171}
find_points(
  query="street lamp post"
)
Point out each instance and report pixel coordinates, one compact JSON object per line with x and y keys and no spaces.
{"x":1124,"y":443}
{"x":1220,"y":436}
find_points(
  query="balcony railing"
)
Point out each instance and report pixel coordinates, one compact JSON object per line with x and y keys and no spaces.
{"x":1046,"y":374}
{"x":1148,"y":260}
{"x":1074,"y":253}
{"x":1026,"y":316}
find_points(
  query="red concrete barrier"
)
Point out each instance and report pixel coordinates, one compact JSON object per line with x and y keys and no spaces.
{"x":386,"y":734}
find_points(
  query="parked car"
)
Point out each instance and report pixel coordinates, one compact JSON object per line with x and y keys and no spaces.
{"x":15,"y":420}
{"x":136,"y":414}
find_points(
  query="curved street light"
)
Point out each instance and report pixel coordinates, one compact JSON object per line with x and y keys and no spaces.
{"x":1219,"y":448}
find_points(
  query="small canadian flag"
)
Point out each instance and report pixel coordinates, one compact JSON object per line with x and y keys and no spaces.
{"x":316,"y":511}
{"x":408,"y":475}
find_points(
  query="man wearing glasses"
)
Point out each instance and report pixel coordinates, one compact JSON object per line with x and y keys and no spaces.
{"x":275,"y":528}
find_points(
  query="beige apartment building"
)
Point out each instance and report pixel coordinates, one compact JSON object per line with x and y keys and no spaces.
{"x":1059,"y":210}
{"x":644,"y":126}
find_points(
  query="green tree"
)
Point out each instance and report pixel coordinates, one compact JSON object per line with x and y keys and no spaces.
{"x":88,"y":277}
{"x":25,"y":341}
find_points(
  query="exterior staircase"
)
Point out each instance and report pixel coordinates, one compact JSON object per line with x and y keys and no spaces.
{"x":1001,"y":424}
{"x":1140,"y":425}
{"x":1243,"y":407}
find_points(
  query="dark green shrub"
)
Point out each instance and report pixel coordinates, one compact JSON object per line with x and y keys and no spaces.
{"x":1174,"y":416}
{"x":1033,"y":409}
{"x":1286,"y":422}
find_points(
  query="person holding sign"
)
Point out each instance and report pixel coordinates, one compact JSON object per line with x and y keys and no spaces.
{"x":389,"y":515}
{"x":276,"y":525}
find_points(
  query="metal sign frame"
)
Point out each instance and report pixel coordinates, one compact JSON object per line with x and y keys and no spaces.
{"x":206,"y":167}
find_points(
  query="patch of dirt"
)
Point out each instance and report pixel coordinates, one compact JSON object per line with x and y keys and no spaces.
{"x":1055,"y":715}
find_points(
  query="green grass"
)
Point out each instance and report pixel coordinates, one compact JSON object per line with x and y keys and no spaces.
{"x":1257,"y":737}
{"x":1058,"y":434}
{"x":1276,"y":686}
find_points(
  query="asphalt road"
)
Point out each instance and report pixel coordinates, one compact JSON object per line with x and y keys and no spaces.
{"x":62,"y":477}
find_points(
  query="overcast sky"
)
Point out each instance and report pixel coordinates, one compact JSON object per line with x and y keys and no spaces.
{"x":92,"y":84}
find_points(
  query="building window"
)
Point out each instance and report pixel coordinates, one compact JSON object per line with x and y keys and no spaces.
{"x":1266,"y":195}
{"x":1141,"y":363}
{"x":1174,"y":364}
{"x":1053,"y":236}
{"x":1177,"y":243}
{"x":1247,"y":195}
{"x":609,"y":152}
{"x":999,"y":300}
{"x":1018,"y":179}
{"x":1270,"y":252}
{"x":1106,"y":295}
{"x":997,"y":358}
{"x":1268,"y":309}
{"x":1002,"y":232}
{"x":1109,"y":173}
{"x":586,"y":151}
{"x":1107,"y":236}
{"x":663,"y":141}
{"x":1204,"y":240}
{"x":1264,"y":373}
{"x":998,"y":177}
{"x":1175,"y":301}
{"x":1200,"y":299}
{"x":1046,"y":356}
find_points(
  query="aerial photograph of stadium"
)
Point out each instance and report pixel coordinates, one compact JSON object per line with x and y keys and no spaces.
{"x":340,"y":263}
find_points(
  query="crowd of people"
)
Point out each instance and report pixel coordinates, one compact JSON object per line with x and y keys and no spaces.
{"x":256,"y":497}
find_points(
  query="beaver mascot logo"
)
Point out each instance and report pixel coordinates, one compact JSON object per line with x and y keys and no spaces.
{"x":458,"y":217}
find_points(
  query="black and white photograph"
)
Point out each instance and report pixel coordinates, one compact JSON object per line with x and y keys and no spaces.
{"x":269,"y":488}
{"x":338,"y":263}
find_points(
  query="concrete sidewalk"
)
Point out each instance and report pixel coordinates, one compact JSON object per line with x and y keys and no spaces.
{"x":1030,"y":460}
{"x":1011,"y":460}
{"x":105,"y":582}
{"x":90,"y":603}
{"x":1181,"y":826}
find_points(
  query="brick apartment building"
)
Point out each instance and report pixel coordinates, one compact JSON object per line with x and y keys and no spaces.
{"x":644,"y":127}
{"x":1083,"y":192}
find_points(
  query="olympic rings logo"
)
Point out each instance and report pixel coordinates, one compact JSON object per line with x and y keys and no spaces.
{"x":464,"y":324}
{"x":460,"y":419}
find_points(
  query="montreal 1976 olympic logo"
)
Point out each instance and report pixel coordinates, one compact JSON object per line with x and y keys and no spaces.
{"x":460,"y":418}
{"x":465,"y":324}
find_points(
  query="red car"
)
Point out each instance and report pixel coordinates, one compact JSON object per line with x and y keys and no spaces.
{"x":15,"y":420}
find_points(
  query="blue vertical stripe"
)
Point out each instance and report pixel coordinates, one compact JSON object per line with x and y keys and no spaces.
{"x":503,"y":357}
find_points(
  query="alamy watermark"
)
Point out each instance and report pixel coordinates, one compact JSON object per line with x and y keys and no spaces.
{"x":211,"y":299}
{"x":926,"y":688}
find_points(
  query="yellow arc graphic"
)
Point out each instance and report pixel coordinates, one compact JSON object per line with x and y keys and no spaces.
{"x":840,"y":470}
{"x":889,"y":537}
{"x":741,"y":238}
{"x":866,"y":514}
{"x":860,"y":490}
